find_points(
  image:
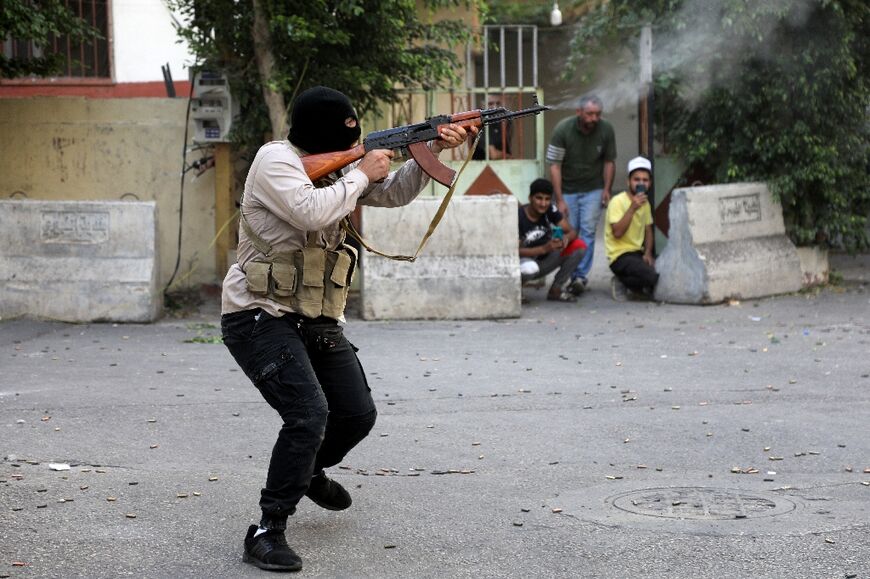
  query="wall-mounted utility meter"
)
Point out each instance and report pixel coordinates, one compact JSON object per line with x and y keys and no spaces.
{"x":211,"y":107}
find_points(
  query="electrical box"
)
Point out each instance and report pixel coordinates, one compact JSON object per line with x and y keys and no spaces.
{"x":211,"y":107}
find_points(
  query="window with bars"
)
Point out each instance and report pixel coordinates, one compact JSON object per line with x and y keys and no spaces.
{"x":502,"y":71}
{"x":82,"y":60}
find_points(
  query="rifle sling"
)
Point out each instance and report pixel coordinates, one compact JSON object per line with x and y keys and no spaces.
{"x":351,"y":230}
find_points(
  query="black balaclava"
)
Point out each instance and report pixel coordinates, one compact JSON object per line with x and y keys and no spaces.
{"x":317,"y":121}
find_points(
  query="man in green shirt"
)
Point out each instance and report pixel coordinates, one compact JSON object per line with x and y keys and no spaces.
{"x":581,"y":155}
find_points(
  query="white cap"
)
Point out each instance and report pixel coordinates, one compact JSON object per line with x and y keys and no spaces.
{"x":639,"y":163}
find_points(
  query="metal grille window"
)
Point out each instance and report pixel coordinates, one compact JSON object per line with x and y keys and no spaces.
{"x":503,"y":71}
{"x":81,"y":60}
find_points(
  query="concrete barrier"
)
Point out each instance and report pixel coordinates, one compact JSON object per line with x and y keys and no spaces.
{"x":79,"y":261}
{"x":815,"y":266}
{"x":726,"y":241}
{"x":468,"y":270}
{"x":112,"y":149}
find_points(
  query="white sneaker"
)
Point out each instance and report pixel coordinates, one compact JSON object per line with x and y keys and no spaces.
{"x":618,"y":290}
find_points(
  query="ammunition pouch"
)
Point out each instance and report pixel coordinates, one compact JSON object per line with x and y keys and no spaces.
{"x":312,"y":281}
{"x":325,"y":281}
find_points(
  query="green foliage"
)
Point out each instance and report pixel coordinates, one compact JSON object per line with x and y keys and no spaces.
{"x":605,"y":25}
{"x":204,"y":340}
{"x":775,"y":91}
{"x":364,"y":48}
{"x":204,"y":334}
{"x":513,"y":12}
{"x":37,"y":21}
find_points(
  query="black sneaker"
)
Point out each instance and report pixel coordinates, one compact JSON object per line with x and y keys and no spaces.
{"x":270,"y":551}
{"x":327,"y":493}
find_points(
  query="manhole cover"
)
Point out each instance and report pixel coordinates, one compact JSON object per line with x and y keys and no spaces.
{"x":701,"y":503}
{"x":696,"y":509}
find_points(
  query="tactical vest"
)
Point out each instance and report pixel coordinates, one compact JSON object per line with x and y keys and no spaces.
{"x":312,"y":281}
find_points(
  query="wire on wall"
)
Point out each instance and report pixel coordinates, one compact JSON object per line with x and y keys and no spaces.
{"x":181,"y":189}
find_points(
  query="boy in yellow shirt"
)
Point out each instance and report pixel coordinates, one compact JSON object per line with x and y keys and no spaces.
{"x":628,"y":235}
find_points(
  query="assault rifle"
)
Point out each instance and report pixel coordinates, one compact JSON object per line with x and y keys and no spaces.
{"x":414,"y":138}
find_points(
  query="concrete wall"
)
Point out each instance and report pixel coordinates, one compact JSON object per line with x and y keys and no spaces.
{"x":726,"y":241}
{"x":815,"y":266}
{"x":468,"y":270}
{"x":79,"y":261}
{"x":111,"y":149}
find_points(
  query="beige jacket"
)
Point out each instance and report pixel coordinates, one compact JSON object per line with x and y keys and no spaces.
{"x":282,"y":205}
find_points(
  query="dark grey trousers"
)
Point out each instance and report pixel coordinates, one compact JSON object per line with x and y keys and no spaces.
{"x":309,"y":373}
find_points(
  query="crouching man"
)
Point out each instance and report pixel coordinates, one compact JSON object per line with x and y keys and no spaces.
{"x":628,"y":236}
{"x":547,"y":242}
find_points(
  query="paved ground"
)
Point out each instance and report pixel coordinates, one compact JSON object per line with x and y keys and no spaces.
{"x":582,"y":440}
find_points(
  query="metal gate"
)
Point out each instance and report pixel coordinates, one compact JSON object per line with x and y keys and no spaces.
{"x":501,"y":69}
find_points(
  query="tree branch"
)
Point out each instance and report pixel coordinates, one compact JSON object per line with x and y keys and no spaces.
{"x":265,"y":65}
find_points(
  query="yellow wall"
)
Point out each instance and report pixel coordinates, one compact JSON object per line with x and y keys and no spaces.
{"x":72,"y":148}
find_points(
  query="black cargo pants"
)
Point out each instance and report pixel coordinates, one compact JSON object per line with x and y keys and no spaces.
{"x":636,"y":274}
{"x":309,"y":373}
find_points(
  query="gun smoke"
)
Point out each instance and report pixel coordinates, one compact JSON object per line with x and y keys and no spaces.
{"x":703,"y":53}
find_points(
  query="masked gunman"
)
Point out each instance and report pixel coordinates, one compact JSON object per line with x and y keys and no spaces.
{"x":283,"y":301}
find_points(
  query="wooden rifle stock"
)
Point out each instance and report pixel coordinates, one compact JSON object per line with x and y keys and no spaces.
{"x":322,"y":164}
{"x":468,"y":119}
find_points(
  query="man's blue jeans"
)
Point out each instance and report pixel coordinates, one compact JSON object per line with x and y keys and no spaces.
{"x":584,"y":212}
